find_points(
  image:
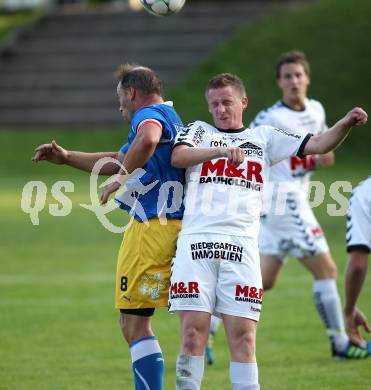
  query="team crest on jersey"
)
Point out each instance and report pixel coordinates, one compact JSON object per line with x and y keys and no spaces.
{"x":252,"y":150}
{"x":151,"y":285}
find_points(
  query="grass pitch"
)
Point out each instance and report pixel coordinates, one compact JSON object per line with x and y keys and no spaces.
{"x":58,"y":327}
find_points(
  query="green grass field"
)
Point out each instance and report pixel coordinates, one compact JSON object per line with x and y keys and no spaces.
{"x":58,"y":327}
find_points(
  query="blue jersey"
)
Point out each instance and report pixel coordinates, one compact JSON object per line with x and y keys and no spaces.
{"x":157,"y":191}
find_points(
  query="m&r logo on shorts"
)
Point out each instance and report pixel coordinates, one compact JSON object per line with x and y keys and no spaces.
{"x":184,"y":290}
{"x":248,"y":294}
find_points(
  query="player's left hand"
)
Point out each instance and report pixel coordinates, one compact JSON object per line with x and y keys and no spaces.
{"x":355,"y":117}
{"x":353,"y":322}
{"x":108,"y":190}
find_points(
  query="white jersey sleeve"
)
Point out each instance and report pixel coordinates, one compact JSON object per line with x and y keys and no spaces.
{"x":322,"y":115}
{"x":191,"y":135}
{"x":264,"y":117}
{"x":283,"y":144}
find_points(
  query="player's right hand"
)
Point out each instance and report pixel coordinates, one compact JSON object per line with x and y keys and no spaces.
{"x":51,"y":152}
{"x":353,"y":322}
{"x":355,"y":117}
{"x":235,"y":156}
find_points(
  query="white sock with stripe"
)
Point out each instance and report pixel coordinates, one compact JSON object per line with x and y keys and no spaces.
{"x":327,"y":301}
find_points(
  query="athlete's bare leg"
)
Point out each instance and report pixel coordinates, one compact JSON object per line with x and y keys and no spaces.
{"x":241,"y":336}
{"x":241,"y":333}
{"x":321,"y":266}
{"x":194,"y":327}
{"x":145,"y":351}
{"x":270,"y":266}
{"x":135,"y":327}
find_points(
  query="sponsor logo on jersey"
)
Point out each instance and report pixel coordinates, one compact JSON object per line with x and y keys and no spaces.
{"x":317,"y":231}
{"x":184,"y":290}
{"x":252,"y":150}
{"x":218,"y":144}
{"x":198,"y":136}
{"x":217,"y":251}
{"x":249,"y":294}
{"x":224,"y":173}
{"x":287,"y":133}
{"x":301,"y":166}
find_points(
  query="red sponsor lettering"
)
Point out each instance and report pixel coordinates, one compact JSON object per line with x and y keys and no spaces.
{"x":182,"y":288}
{"x":308,"y":162}
{"x":254,"y":169}
{"x":221,"y":167}
{"x":193,"y":287}
{"x":242,"y":290}
{"x":209,"y":166}
{"x":249,"y":292}
{"x":174,"y":288}
{"x":317,"y":231}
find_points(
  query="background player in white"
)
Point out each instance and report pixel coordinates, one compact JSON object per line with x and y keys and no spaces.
{"x":294,"y":229}
{"x":359,"y":246}
{"x":217,"y":266}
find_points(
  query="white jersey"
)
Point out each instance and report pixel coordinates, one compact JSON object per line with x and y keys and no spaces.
{"x":221,"y":198}
{"x":294,"y":171}
{"x":358,"y":234}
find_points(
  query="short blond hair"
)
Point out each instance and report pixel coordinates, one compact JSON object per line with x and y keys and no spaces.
{"x":225,"y":80}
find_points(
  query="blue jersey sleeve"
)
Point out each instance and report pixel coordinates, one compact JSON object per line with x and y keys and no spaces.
{"x":124,"y":149}
{"x":147,"y":113}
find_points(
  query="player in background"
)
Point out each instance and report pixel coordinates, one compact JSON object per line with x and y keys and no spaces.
{"x":217,"y":265}
{"x":143,"y":269}
{"x":358,"y":238}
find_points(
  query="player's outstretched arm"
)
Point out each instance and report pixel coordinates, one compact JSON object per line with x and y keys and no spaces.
{"x":354,"y":279}
{"x":141,"y":150}
{"x":329,"y":140}
{"x":56,"y":154}
{"x":184,"y":156}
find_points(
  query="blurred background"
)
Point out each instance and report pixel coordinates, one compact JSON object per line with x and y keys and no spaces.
{"x":58,"y":328}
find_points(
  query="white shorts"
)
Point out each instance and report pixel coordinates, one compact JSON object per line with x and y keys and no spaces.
{"x":296,"y":233}
{"x":358,"y":234}
{"x":216,"y":273}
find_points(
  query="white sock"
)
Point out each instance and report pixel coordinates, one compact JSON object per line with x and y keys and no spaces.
{"x":244,"y":376}
{"x":189,"y":372}
{"x":327,"y":300}
{"x":214,"y":324}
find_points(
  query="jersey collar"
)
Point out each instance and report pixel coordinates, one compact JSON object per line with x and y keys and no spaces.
{"x":231,"y":130}
{"x":293,"y":109}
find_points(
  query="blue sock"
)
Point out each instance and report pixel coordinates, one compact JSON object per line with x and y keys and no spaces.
{"x":148,"y":363}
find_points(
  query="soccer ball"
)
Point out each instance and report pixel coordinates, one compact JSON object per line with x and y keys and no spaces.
{"x":162,"y":7}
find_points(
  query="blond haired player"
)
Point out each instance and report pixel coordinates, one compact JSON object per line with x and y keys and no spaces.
{"x":217,"y":265}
